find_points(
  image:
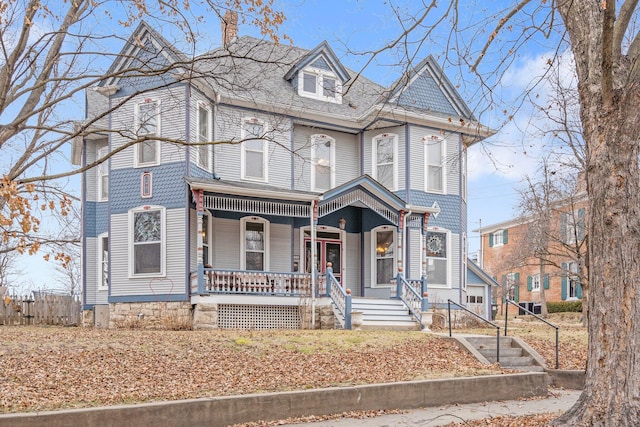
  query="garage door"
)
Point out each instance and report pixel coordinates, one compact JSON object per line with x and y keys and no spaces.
{"x":476,"y":299}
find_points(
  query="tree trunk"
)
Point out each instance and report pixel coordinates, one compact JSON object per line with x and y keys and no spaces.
{"x":609,"y":92}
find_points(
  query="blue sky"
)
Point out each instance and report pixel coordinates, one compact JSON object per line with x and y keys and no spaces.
{"x":495,"y":168}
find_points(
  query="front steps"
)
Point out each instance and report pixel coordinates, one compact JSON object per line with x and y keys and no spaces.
{"x":514,"y":353}
{"x":384,"y":314}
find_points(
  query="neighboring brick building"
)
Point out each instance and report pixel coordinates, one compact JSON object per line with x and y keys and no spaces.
{"x":508,"y":254}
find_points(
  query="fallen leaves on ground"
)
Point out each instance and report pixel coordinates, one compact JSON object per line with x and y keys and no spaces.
{"x":48,"y":368}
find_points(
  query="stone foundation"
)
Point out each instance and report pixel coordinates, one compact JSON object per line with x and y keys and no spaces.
{"x":325,"y":319}
{"x":205,"y":316}
{"x":88,"y":319}
{"x":151,"y":315}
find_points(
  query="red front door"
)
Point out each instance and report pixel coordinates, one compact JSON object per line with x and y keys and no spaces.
{"x":328,"y":249}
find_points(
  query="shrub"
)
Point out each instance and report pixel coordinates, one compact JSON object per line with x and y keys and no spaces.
{"x":565,"y":307}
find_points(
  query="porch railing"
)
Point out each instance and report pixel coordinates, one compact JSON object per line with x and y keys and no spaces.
{"x":340,"y":297}
{"x":254,"y":282}
{"x":411,"y":293}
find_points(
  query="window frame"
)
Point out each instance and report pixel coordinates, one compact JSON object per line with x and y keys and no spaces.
{"x":441,"y":164}
{"x":314,"y":163}
{"x":498,"y":238}
{"x":573,"y":281}
{"x":158,"y":132}
{"x":448,"y":257}
{"x":163,"y":241}
{"x":243,"y":150}
{"x":535,"y":282}
{"x":203,"y":138}
{"x":319,"y":89}
{"x":102,"y":263}
{"x":102,"y":173}
{"x":375,"y":258}
{"x":243,"y":242}
{"x":374,"y":158}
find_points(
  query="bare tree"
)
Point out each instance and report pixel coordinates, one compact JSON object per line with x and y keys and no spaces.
{"x":51,"y":53}
{"x":604,"y":40}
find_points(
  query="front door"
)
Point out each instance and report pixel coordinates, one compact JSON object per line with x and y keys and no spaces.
{"x":328,"y":249}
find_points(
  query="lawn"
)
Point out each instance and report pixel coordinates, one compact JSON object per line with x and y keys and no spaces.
{"x":49,"y":368}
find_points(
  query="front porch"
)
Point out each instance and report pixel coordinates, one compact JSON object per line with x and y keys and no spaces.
{"x":255,"y":255}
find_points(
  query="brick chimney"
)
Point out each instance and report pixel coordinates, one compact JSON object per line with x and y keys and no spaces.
{"x":229,"y":28}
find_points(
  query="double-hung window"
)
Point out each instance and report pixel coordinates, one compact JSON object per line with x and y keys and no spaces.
{"x":434,"y":149}
{"x":103,"y":175}
{"x":320,"y":84}
{"x":437,"y":258}
{"x":204,"y":136}
{"x":323,"y":161}
{"x":535,"y":283}
{"x":385,"y":160}
{"x":384,"y":255}
{"x":255,"y":244}
{"x":498,"y":238}
{"x":254,"y":150}
{"x":148,"y":127}
{"x":147,"y":241}
{"x":103,"y":259}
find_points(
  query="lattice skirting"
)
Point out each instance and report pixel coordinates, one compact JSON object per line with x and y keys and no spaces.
{"x":259,"y":317}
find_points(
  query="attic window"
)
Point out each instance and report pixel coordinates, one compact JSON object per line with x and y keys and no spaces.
{"x":320,"y":84}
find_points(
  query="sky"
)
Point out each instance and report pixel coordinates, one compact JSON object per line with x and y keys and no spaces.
{"x":495,"y":167}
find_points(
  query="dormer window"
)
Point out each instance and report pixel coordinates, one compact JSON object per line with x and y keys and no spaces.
{"x":320,"y":84}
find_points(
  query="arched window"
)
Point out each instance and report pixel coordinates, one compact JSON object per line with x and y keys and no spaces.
{"x":323,"y":162}
{"x":385,"y":160}
{"x":254,"y":241}
{"x":384,"y":241}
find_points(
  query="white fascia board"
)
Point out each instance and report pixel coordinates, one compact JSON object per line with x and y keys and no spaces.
{"x":252,"y":192}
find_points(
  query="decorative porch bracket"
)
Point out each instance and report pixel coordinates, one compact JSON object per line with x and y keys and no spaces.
{"x":357,"y":195}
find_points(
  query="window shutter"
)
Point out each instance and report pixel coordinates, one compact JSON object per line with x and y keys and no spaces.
{"x":516,"y":277}
{"x":504,"y":237}
{"x":579,"y":290}
{"x":563,"y":228}
{"x":546,"y":281}
{"x":516,"y":293}
{"x":490,"y":240}
{"x":529,"y":283}
{"x":581,"y":224}
{"x":563,"y":292}
{"x":504,"y":288}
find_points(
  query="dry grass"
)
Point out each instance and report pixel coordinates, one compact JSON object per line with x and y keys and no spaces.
{"x":48,"y":368}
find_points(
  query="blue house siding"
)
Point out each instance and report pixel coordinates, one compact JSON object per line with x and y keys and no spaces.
{"x":95,"y":218}
{"x":169,"y":187}
{"x":424,"y":93}
{"x":450,"y":209}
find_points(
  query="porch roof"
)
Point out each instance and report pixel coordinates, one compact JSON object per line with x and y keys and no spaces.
{"x":377,"y":190}
{"x":250,"y":190}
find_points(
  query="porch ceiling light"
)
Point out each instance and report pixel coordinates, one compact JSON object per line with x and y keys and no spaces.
{"x":342,"y":223}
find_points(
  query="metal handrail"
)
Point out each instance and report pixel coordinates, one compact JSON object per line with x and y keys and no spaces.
{"x":449,"y":302}
{"x":506,"y":317}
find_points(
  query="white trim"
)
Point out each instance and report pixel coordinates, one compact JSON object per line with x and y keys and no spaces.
{"x":442,"y":164}
{"x":320,"y":75}
{"x":535,"y":279}
{"x":163,"y":241}
{"x":207,"y":137}
{"x":100,"y":263}
{"x":267,"y":241}
{"x":101,"y":171}
{"x":208,"y":219}
{"x":315,"y":140}
{"x":465,"y":258}
{"x":448,"y":257}
{"x":144,"y":195}
{"x":463,"y":174}
{"x":265,"y":145}
{"x":374,"y":158}
{"x":374,"y":257}
{"x":158,"y":132}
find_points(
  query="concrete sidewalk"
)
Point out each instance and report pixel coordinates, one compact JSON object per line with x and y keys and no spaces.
{"x":557,"y":401}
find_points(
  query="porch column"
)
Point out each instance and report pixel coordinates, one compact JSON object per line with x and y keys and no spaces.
{"x":199,"y":249}
{"x":313,"y":217}
{"x":423,"y":275}
{"x":399,"y":253}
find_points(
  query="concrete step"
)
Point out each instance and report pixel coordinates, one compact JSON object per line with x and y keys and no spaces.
{"x":504,"y":352}
{"x":384,"y":314}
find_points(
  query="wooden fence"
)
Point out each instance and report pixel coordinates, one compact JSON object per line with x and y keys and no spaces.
{"x":40,"y":309}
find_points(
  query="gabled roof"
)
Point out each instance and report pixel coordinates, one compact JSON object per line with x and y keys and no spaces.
{"x":427,"y":88}
{"x":322,"y":52}
{"x":148,"y":48}
{"x":475,"y":268}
